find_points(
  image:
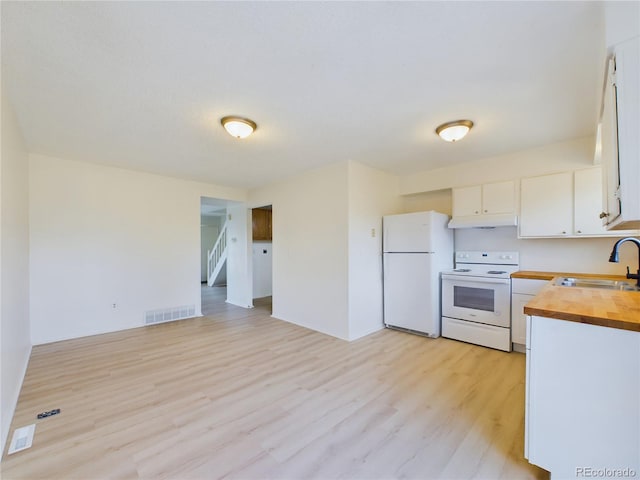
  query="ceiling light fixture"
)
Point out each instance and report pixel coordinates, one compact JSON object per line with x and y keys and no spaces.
{"x":238,"y":127}
{"x":454,"y":131}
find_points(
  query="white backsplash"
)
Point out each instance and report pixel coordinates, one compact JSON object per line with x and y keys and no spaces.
{"x":579,"y":255}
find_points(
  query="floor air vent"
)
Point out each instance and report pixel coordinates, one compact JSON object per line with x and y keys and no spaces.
{"x":169,"y":314}
{"x":22,"y":439}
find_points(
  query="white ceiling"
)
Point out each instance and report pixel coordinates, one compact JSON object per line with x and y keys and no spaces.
{"x":143,"y":84}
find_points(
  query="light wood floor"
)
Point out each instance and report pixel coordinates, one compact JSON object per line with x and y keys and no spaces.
{"x":241,"y":395}
{"x":213,"y":299}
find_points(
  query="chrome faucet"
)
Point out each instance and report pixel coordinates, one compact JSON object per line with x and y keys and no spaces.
{"x":614,"y":257}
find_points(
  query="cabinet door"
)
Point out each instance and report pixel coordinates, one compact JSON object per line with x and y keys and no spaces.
{"x":518,"y":318}
{"x":587,"y":197}
{"x":546,"y":208}
{"x":498,"y":198}
{"x":609,"y":148}
{"x":628,"y":123}
{"x":467,"y":201}
{"x":261,"y":224}
{"x":583,"y":396}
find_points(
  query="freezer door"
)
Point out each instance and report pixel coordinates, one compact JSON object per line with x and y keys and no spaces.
{"x":411,"y":232}
{"x":411,"y":292}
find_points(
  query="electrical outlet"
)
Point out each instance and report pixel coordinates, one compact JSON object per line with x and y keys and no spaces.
{"x":113,"y":305}
{"x":373,"y":233}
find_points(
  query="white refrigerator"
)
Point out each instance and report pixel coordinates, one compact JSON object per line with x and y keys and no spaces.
{"x":416,"y":248}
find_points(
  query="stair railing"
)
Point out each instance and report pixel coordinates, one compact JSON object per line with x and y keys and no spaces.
{"x":217,"y":256}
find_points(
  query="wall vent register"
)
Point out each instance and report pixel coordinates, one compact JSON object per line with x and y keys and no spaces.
{"x":169,"y":314}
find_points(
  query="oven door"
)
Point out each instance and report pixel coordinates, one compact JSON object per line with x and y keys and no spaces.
{"x":477,"y":299}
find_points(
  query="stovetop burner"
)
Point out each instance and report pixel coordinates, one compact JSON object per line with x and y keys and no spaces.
{"x":485,"y":264}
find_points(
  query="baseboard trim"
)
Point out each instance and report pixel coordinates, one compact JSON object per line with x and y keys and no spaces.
{"x":14,"y":403}
{"x":309,"y":328}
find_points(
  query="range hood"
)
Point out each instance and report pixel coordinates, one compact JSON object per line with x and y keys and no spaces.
{"x":484,"y":221}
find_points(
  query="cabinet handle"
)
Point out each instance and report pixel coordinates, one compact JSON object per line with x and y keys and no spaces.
{"x":604,"y":215}
{"x":477,"y":211}
{"x":563,"y":232}
{"x":486,"y":211}
{"x":579,"y":231}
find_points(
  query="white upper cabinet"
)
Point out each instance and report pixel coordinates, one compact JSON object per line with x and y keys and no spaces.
{"x":467,"y":201}
{"x":546,"y":205}
{"x":491,"y":204}
{"x":564,"y":204}
{"x":587,"y":200}
{"x":620,"y":141}
{"x":498,"y":198}
{"x":487,"y":199}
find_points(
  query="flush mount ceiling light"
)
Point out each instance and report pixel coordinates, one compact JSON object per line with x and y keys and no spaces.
{"x":454,"y":131}
{"x":238,"y":127}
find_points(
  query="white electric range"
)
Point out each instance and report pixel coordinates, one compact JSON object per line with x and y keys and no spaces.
{"x":476,"y":298}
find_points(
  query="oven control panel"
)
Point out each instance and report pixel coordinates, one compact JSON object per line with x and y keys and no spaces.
{"x":496,"y":258}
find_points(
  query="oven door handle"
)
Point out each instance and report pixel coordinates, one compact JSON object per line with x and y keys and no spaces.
{"x":464,"y":279}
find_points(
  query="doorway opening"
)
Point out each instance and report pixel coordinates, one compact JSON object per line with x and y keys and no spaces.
{"x":213,"y":255}
{"x":262,"y":247}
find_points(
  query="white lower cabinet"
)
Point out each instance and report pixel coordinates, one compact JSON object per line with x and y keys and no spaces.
{"x":518,"y":318}
{"x":582,"y":399}
{"x":522,"y":291}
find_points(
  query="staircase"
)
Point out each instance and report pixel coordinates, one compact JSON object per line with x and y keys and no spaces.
{"x":217,"y":257}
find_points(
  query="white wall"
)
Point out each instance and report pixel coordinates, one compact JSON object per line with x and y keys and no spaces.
{"x":438,"y":200}
{"x":327,"y":268}
{"x":578,"y":255}
{"x":310,"y":248}
{"x":102,"y":236}
{"x":262,"y":269}
{"x":557,"y":157}
{"x":372,"y":194}
{"x":15,"y":338}
{"x":239,"y":271}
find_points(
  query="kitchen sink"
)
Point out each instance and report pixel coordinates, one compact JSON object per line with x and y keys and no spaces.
{"x":597,"y":283}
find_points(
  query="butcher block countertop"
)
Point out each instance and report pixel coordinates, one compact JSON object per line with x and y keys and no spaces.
{"x":595,"y":306}
{"x":534,"y":275}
